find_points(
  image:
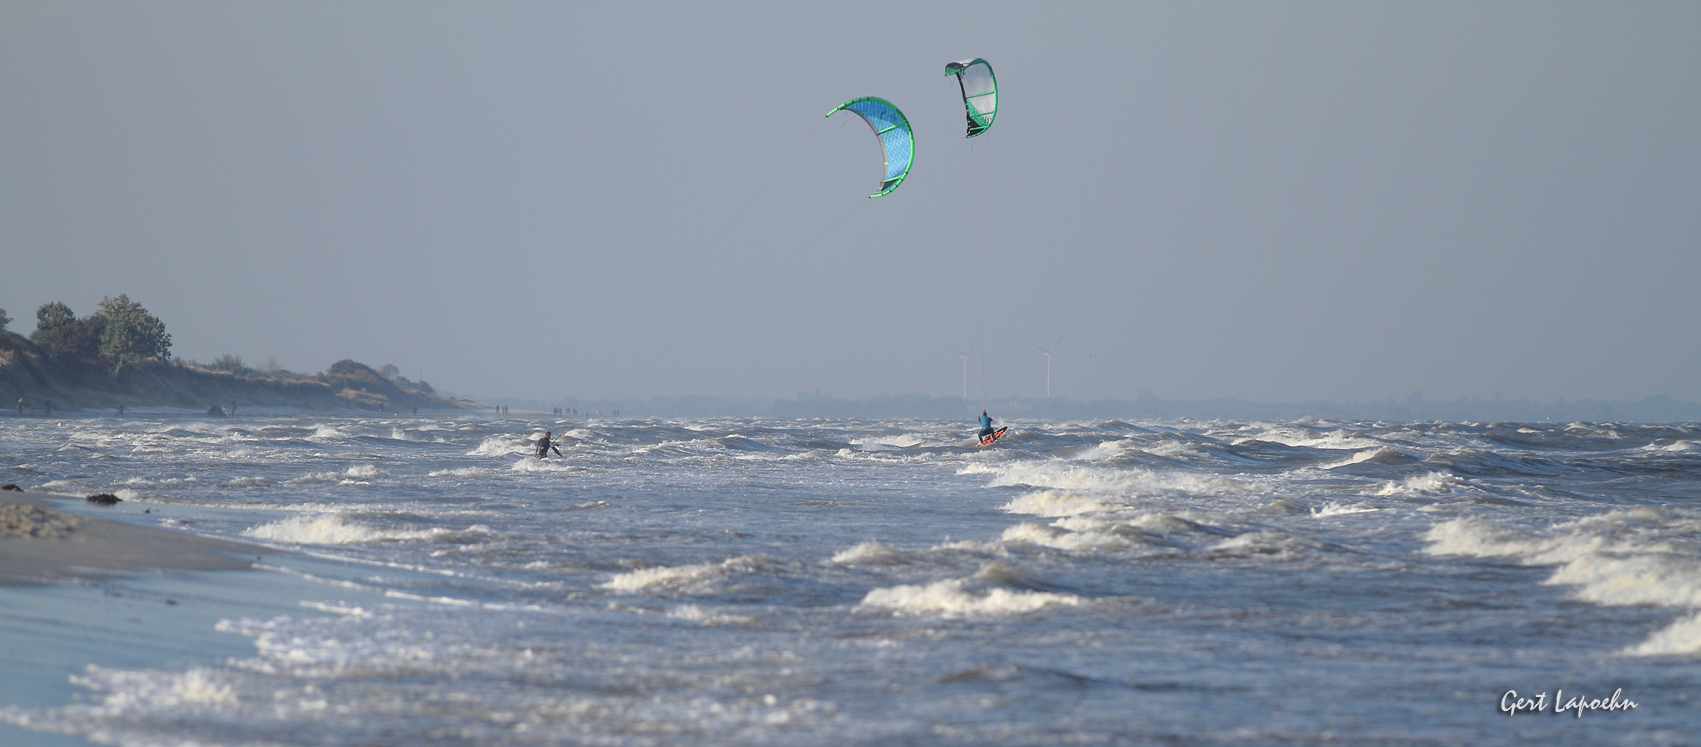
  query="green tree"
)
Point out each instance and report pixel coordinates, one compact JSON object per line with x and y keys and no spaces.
{"x":49,"y":319}
{"x":131,"y":334}
{"x":4,"y":320}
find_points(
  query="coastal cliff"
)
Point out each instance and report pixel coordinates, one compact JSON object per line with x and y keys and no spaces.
{"x":28,"y":373}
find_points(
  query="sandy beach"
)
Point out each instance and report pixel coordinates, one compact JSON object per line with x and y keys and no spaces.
{"x":42,"y":544}
{"x":81,"y":590}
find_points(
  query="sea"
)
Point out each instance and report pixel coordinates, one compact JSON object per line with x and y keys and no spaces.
{"x":429,"y":581}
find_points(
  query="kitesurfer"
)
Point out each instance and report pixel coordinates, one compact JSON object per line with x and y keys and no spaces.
{"x":985,"y":424}
{"x":544,"y":445}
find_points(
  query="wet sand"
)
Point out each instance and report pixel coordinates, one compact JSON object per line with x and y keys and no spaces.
{"x":40,"y":544}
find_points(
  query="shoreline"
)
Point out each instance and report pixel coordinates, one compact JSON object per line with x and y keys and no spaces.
{"x":41,"y":544}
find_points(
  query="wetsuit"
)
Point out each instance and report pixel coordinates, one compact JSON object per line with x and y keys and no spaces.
{"x":985,"y":426}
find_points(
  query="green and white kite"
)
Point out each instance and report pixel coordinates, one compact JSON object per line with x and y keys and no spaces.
{"x":980,"y":92}
{"x":896,"y":137}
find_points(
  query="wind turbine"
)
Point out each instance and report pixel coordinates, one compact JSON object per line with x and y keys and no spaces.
{"x":965,"y":357}
{"x":1048,"y":363}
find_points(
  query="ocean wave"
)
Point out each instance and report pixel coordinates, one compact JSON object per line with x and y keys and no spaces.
{"x":534,"y":464}
{"x":972,"y":597}
{"x":679,"y":578}
{"x":333,"y":529}
{"x":1681,"y":638}
{"x":1379,"y":454}
{"x":503,"y":445}
{"x":1429,"y":483}
{"x":693,"y":613}
{"x":1638,"y":556}
{"x":1337,"y":509}
{"x":1108,"y":482}
{"x":869,"y":553}
{"x":1305,"y":437}
{"x":352,"y":476}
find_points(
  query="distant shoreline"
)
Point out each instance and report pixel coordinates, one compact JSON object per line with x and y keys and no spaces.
{"x":29,"y":375}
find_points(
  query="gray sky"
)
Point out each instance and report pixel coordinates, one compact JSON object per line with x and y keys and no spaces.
{"x":1270,"y":201}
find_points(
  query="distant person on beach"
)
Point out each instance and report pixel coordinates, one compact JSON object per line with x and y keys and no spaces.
{"x":985,"y":424}
{"x":120,"y":411}
{"x":544,"y":445}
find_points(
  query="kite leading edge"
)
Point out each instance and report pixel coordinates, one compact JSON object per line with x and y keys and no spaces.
{"x":980,"y":92}
{"x":896,"y":137}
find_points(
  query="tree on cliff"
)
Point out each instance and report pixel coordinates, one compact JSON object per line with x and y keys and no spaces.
{"x":131,"y":334}
{"x":4,"y":320}
{"x":63,"y":336}
{"x":49,"y":320}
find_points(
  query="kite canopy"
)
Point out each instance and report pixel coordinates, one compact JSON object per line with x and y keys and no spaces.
{"x":980,"y":92}
{"x":895,"y":135}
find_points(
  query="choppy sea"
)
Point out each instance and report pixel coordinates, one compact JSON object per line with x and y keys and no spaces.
{"x":821,"y":582}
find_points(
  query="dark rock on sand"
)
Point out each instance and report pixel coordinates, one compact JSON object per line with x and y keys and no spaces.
{"x":104,"y":499}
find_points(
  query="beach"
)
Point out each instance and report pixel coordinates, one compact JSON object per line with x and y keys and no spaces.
{"x":40,"y":543}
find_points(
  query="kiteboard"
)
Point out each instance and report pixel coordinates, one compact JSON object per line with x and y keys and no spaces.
{"x":994,"y":436}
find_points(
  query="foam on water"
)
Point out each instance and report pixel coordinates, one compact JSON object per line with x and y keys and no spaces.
{"x":1639,"y":556}
{"x":753,"y":581}
{"x":980,"y":595}
{"x":869,"y":553}
{"x":334,"y":529}
{"x":1296,"y":436}
{"x":683,"y":578}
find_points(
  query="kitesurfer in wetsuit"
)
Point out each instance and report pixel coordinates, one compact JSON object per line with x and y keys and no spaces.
{"x":985,"y":425}
{"x":544,"y":445}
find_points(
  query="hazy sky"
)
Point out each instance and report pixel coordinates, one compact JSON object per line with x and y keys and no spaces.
{"x":1273,"y":201}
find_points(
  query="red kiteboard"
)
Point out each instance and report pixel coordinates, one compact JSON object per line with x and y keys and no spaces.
{"x":994,"y":436}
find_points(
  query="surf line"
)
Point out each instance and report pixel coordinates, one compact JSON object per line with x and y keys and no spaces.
{"x":776,"y":267}
{"x":691,"y":268}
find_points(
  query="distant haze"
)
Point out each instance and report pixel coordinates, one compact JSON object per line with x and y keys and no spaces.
{"x":1269,"y":201}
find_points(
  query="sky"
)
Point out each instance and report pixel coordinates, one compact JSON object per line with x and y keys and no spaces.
{"x":1271,"y":201}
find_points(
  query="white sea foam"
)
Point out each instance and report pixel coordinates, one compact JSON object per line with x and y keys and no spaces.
{"x":1295,"y":436}
{"x":1681,"y":638}
{"x":679,"y":578}
{"x":1058,"y":503}
{"x":1424,"y":484}
{"x":1264,"y":542}
{"x":958,"y":597}
{"x":327,"y":433}
{"x":868,"y":553}
{"x":534,"y":464}
{"x":458,"y":472}
{"x":351,"y":476}
{"x":901,"y":441}
{"x":693,"y":613}
{"x":1360,"y":457}
{"x":126,"y":494}
{"x":1336,"y":509}
{"x":502,"y":445}
{"x":1639,"y":556}
{"x":333,"y":529}
{"x":1121,"y":486}
{"x":153,"y":690}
